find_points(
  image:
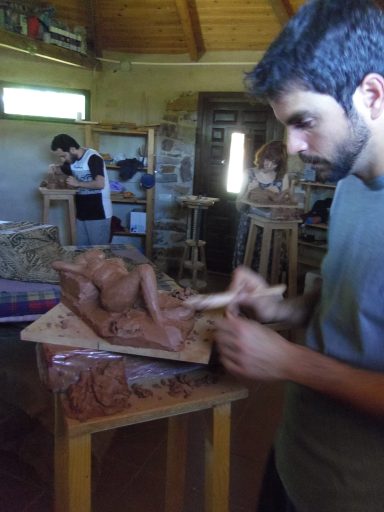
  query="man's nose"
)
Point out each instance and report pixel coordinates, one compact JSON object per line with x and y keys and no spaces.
{"x":296,"y":142}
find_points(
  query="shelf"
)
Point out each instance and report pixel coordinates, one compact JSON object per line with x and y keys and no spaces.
{"x":11,"y":41}
{"x":317,"y":226}
{"x":270,"y":205}
{"x":318,"y":245}
{"x":118,"y":168}
{"x":120,"y":131}
{"x":127,"y":233}
{"x":308,"y":262}
{"x":119,"y":198}
{"x":93,"y":134}
{"x":317,"y":184}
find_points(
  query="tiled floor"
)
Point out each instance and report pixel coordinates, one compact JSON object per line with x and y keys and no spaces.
{"x":128,"y":464}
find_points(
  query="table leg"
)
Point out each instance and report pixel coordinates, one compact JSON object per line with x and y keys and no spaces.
{"x":176,"y":463}
{"x":194,"y":260}
{"x":276,"y":256}
{"x":265,"y":251}
{"x":72,"y":219}
{"x":292,"y":261}
{"x":250,"y":247}
{"x":72,"y":468}
{"x":46,"y":204}
{"x":217,"y":459}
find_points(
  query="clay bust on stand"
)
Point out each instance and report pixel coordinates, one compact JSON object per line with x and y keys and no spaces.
{"x":123,"y":306}
{"x":55,"y":178}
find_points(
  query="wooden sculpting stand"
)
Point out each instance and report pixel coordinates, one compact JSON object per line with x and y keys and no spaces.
{"x":272,"y":233}
{"x":193,"y":258}
{"x":73,"y":441}
{"x":60,"y":195}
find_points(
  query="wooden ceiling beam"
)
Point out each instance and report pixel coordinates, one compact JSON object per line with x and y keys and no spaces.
{"x":283,"y":10}
{"x":190,"y":29}
{"x":95,"y":33}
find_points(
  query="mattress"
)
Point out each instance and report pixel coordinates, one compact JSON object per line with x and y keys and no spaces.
{"x":22,"y":301}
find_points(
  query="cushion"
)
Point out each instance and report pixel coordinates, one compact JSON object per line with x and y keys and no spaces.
{"x":27,"y":251}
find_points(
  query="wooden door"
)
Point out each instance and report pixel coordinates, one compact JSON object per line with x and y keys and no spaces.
{"x":219,"y":115}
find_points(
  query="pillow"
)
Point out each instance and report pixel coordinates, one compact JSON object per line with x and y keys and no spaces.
{"x":27,"y":251}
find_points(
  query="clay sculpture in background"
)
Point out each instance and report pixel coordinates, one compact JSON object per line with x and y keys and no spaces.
{"x":123,"y":307}
{"x":55,"y":178}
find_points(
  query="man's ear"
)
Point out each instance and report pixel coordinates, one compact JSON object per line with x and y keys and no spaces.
{"x":371,"y":90}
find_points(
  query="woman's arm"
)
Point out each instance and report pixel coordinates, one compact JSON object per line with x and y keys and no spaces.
{"x":243,"y":191}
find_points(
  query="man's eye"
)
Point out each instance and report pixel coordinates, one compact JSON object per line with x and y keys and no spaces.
{"x":305,"y":124}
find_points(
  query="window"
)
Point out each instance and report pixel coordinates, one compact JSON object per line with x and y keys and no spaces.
{"x":236,"y":163}
{"x":43,"y":103}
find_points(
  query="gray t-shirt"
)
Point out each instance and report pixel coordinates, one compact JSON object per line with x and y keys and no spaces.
{"x":329,"y":456}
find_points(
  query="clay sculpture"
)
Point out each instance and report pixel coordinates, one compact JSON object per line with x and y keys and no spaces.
{"x":123,"y":306}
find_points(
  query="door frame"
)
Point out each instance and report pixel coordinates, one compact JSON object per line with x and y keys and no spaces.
{"x":274,"y":130}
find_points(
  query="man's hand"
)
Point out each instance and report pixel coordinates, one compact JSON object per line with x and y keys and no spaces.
{"x":72,"y":182}
{"x":246,"y":284}
{"x":252,"y":350}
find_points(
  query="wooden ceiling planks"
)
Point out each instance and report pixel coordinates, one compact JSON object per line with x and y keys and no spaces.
{"x":178,"y":26}
{"x":283,"y":10}
{"x":145,"y":26}
{"x":237,"y":24}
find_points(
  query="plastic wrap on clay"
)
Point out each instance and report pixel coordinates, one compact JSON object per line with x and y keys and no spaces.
{"x":60,"y":367}
{"x":97,"y":383}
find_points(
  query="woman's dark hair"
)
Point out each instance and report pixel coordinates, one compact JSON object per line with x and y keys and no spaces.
{"x":275,"y":151}
{"x":64,"y":142}
{"x":328,"y":47}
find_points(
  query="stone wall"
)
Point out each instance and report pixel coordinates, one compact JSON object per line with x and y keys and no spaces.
{"x":175,"y":154}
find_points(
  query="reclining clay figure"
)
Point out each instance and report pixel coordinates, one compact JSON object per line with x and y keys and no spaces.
{"x":123,"y":307}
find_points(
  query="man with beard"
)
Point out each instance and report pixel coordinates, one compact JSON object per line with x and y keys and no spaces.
{"x":87,"y":173}
{"x":324,"y":78}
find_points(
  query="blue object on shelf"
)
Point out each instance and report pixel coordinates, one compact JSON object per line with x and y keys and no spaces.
{"x":115,"y":186}
{"x":147,"y":181}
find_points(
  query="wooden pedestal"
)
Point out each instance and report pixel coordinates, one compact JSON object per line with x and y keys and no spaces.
{"x":272,"y":237}
{"x":60,"y":195}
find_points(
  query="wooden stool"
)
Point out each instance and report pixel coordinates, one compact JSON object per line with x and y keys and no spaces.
{"x":194,"y":249}
{"x":73,"y":443}
{"x":273,"y":231}
{"x":60,"y":195}
{"x":194,"y":260}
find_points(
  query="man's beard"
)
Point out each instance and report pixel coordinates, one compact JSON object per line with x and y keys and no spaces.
{"x":346,"y":153}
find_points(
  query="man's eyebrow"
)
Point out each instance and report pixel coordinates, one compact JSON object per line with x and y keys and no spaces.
{"x":298,"y":117}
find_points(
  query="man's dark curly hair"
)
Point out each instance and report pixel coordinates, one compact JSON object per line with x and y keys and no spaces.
{"x":328,"y":47}
{"x":64,"y":142}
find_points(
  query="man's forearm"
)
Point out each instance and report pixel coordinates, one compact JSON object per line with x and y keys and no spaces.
{"x":298,"y":310}
{"x":361,"y":389}
{"x":90,"y":184}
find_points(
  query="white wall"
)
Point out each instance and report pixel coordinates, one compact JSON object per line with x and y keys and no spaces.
{"x":121,"y":92}
{"x":25,"y":145}
{"x":140,"y":92}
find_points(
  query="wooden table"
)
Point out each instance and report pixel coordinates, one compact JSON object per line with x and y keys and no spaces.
{"x":60,"y":195}
{"x":73,"y":441}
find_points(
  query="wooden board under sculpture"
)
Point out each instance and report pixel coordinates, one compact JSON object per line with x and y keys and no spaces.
{"x":106,"y":307}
